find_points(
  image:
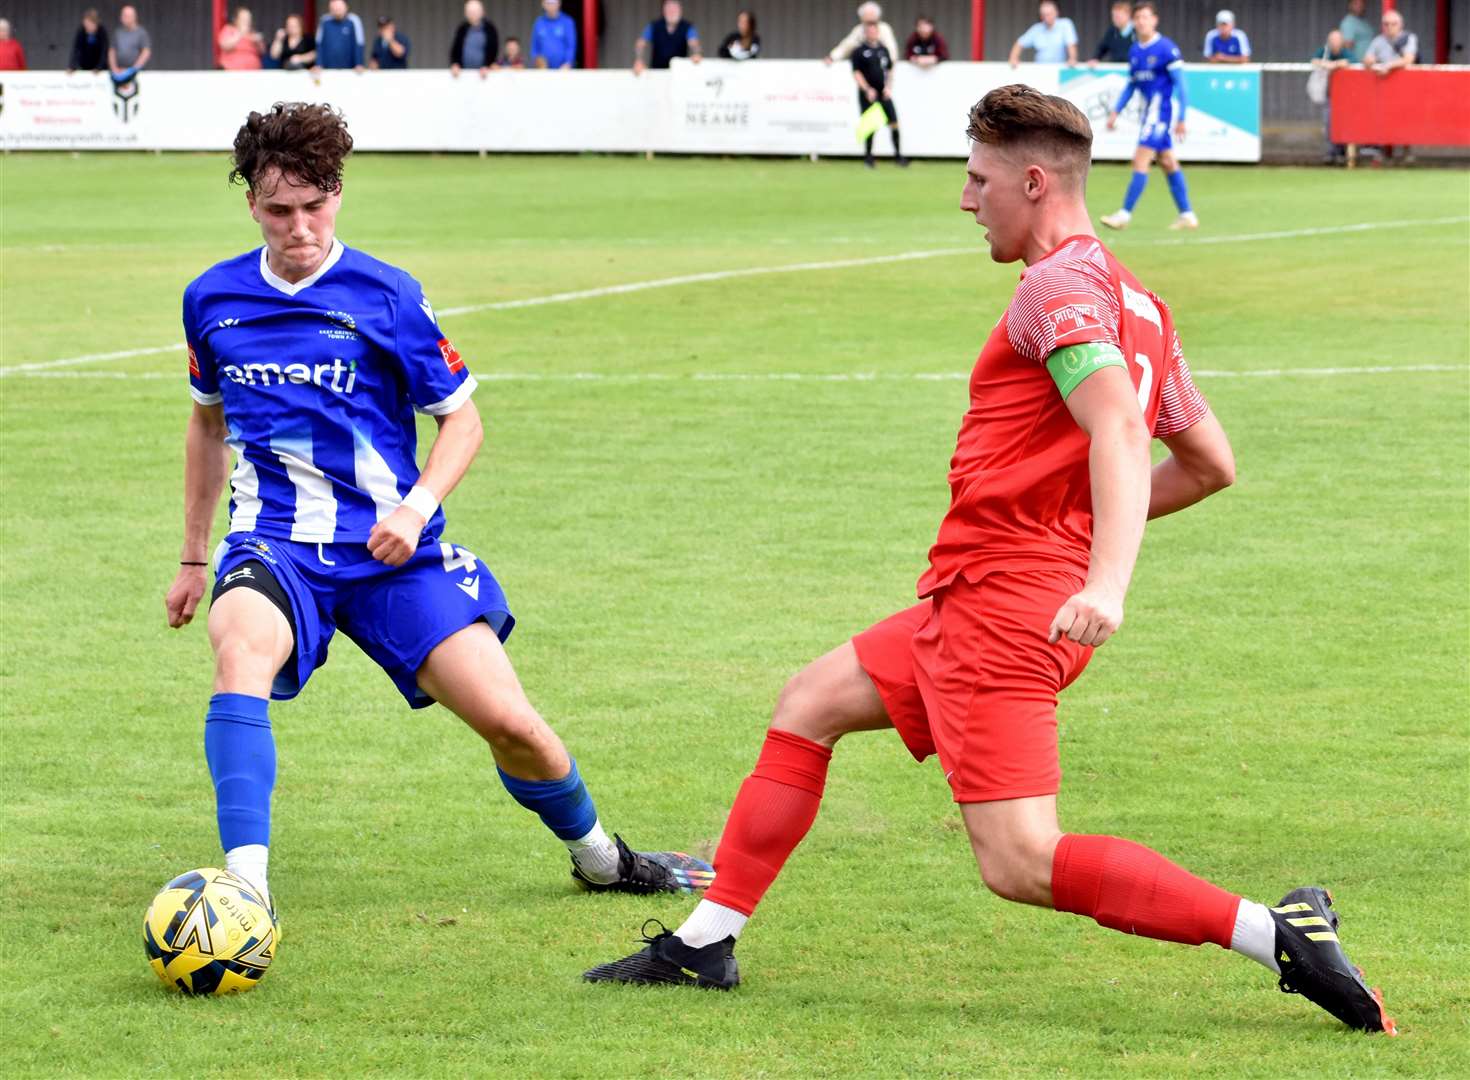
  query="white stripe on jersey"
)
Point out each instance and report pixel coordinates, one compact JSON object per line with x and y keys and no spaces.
{"x":244,"y":488}
{"x":316,"y":506}
{"x":374,"y":476}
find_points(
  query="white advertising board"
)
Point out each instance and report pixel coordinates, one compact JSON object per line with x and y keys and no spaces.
{"x":765,"y":107}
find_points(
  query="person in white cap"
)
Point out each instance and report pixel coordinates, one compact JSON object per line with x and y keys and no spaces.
{"x":1226,"y":44}
{"x":866,"y":13}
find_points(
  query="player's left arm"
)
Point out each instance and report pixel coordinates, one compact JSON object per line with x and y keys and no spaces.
{"x":1176,"y":70}
{"x":1200,"y":460}
{"x":395,"y":538}
{"x":1105,"y":405}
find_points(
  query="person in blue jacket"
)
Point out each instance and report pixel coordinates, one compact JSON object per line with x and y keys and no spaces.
{"x":553,"y":38}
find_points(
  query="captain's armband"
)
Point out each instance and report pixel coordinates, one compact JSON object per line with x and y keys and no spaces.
{"x":1070,"y":365}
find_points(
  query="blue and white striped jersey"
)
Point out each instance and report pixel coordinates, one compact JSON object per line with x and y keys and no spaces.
{"x":1156,"y":72}
{"x":319,"y":381}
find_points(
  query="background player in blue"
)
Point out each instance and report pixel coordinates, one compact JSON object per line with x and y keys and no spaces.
{"x":308,"y":360}
{"x":1155,"y":71}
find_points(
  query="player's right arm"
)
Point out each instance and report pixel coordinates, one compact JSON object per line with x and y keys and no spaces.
{"x":1200,"y":463}
{"x":1122,"y":101}
{"x":206,"y":467}
{"x":1200,"y":460}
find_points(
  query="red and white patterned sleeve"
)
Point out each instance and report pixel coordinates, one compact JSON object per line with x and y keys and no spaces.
{"x":1067,"y":302}
{"x":1181,"y":405}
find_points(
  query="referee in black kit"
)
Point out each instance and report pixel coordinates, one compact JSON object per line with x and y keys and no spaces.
{"x":871,"y":66}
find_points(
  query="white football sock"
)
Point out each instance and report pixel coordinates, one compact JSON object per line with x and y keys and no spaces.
{"x":709,"y":923}
{"x":249,"y":862}
{"x":1255,"y":934}
{"x":595,"y":855}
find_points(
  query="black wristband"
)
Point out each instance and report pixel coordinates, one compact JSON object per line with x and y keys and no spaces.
{"x":183,"y":562}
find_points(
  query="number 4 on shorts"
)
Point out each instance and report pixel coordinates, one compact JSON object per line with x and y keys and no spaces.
{"x":457,"y":559}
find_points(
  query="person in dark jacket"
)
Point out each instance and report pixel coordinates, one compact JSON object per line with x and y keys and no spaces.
{"x":476,"y":42}
{"x":743,"y":43}
{"x":1114,"y":46}
{"x":925,"y":47}
{"x":665,"y":39}
{"x":89,"y":46}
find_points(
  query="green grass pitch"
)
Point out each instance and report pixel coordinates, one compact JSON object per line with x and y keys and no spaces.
{"x":1286,"y":705}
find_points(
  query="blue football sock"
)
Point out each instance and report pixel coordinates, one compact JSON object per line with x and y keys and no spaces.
{"x":1135,"y":190}
{"x":564,"y":805}
{"x":1179,"y":190}
{"x":242,"y":762}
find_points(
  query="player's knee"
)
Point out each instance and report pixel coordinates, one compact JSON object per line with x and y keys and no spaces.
{"x":804,"y":708}
{"x":510,"y":725}
{"x":1017,"y":868}
{"x":246,"y":656}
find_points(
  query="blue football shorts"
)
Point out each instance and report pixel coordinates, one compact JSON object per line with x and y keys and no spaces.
{"x":395,"y":614}
{"x":1156,"y":135}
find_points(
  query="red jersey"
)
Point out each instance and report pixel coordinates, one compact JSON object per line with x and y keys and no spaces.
{"x":1020,"y":490}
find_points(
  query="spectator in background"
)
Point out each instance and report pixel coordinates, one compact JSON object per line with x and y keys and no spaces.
{"x":1391,"y":50}
{"x":1225,"y":44}
{"x":476,"y":42}
{"x":1336,"y":53}
{"x":553,"y":38}
{"x":1357,"y":32}
{"x":240,"y":44}
{"x":1054,"y":39}
{"x":292,"y":49}
{"x":1394,"y":48}
{"x":872,"y":66}
{"x":89,"y":46}
{"x":1114,"y":46}
{"x":666,"y":38}
{"x":390,"y":48}
{"x":925,"y":47}
{"x":742,"y":43}
{"x":868,"y":15}
{"x":512,"y":58}
{"x":339,"y":39}
{"x":12,"y":56}
{"x":131,"y":48}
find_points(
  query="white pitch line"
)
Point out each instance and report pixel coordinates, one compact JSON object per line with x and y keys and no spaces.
{"x":753,"y":271}
{"x":798,"y":376}
{"x":554,"y":298}
{"x":1326,"y":230}
{"x":710,"y":275}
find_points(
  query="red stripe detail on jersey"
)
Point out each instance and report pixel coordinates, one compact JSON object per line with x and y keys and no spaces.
{"x":194,"y":363}
{"x":1066,"y":299}
{"x":1181,"y":405}
{"x":451,"y":357}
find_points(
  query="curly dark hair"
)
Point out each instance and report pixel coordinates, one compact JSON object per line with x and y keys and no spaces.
{"x":308,"y":143}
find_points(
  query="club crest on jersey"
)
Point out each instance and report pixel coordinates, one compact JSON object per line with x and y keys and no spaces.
{"x":451,"y":356}
{"x":343,"y":328}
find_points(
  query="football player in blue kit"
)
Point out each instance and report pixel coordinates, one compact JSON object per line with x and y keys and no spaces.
{"x":1155,"y":72}
{"x":308,"y":360}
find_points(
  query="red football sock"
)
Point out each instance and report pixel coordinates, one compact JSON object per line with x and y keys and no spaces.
{"x":773,"y":811}
{"x":1127,"y":887}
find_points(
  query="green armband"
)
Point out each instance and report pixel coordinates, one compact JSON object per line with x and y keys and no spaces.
{"x":1071,"y":365}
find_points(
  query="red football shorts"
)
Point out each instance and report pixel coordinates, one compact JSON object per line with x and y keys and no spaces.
{"x":969,"y":674}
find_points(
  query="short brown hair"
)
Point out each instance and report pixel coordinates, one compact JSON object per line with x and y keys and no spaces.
{"x":306,"y":142}
{"x":1146,"y":4}
{"x":1018,"y":115}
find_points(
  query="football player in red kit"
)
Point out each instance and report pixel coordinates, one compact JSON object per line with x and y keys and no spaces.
{"x":1050,"y":486}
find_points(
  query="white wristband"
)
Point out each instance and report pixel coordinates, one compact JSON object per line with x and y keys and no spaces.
{"x":421,"y":501}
